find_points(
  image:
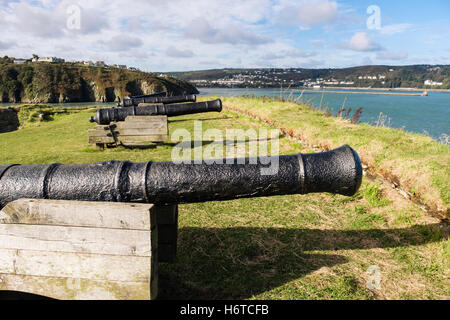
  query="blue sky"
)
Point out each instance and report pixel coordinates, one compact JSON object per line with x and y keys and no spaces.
{"x":177,"y":35}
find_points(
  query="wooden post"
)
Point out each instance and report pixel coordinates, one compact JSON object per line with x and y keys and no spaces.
{"x":167,"y":220}
{"x":79,"y":250}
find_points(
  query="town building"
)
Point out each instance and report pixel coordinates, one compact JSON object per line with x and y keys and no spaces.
{"x":48,"y":59}
{"x":432,"y":83}
{"x":20,"y":61}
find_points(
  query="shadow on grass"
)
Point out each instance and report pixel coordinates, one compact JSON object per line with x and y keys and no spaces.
{"x":238,"y":263}
{"x":193,"y":144}
{"x":181,"y":144}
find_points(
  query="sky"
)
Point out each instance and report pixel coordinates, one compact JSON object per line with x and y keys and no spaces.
{"x":180,"y":35}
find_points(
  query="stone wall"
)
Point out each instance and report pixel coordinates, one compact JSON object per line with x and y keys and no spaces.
{"x":9,"y":121}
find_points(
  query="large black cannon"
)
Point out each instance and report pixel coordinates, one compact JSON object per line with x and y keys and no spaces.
{"x":157,"y":98}
{"x":338,"y":171}
{"x":106,"y":116}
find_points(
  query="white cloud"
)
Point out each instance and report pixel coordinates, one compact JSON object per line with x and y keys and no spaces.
{"x":317,"y":12}
{"x":360,"y":41}
{"x":51,"y":22}
{"x":37,"y":21}
{"x":177,"y":53}
{"x":395,"y":28}
{"x":122,"y":42}
{"x":6,"y":45}
{"x":202,"y":30}
{"x":387,"y":55}
{"x":308,"y":13}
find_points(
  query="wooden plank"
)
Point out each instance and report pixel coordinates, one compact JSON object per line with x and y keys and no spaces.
{"x":101,"y":140}
{"x":99,"y":129}
{"x":77,"y":265}
{"x":78,"y":289}
{"x":112,"y":255}
{"x":147,"y":138}
{"x":98,"y":133}
{"x":132,"y":216}
{"x":75,"y":239}
{"x":147,"y":131}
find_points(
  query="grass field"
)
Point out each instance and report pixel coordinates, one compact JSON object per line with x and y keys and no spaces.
{"x":317,"y":246}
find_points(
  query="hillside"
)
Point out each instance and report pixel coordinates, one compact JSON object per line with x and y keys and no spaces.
{"x":68,"y":82}
{"x":363,"y":76}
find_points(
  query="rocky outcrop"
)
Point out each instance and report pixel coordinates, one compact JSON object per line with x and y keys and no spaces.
{"x":66,"y":82}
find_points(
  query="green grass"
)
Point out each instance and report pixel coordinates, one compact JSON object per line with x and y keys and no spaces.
{"x":420,"y":165}
{"x":315,"y":246}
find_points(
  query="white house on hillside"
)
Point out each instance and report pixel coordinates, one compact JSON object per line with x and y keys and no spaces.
{"x":432,"y":83}
{"x":20,"y":61}
{"x":47,"y":59}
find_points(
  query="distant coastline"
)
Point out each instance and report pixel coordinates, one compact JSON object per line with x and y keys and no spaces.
{"x":420,"y":90}
{"x":384,"y":89}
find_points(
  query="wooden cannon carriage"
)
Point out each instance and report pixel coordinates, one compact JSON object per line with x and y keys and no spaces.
{"x":135,"y":131}
{"x":143,"y":124}
{"x":85,"y":250}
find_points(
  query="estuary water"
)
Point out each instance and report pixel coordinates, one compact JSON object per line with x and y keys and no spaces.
{"x":426,"y":115}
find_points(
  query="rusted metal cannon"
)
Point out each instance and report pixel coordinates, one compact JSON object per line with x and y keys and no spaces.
{"x":338,"y":171}
{"x":157,"y":98}
{"x":106,"y":116}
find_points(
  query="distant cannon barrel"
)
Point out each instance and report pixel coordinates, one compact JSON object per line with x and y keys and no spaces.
{"x":338,"y":171}
{"x":158,"y":94}
{"x":134,"y":101}
{"x":106,"y":116}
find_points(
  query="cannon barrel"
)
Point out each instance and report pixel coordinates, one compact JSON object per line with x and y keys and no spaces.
{"x":106,"y":116}
{"x":134,"y":101}
{"x":337,"y":171}
{"x":158,"y":94}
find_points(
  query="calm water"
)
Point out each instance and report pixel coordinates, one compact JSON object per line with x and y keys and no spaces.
{"x":429,"y":115}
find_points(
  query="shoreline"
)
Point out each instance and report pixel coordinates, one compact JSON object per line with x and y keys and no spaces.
{"x":338,"y":88}
{"x":412,"y":93}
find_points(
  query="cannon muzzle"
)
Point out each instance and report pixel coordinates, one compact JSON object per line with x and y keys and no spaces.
{"x":337,"y":171}
{"x":106,"y":116}
{"x":134,"y":101}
